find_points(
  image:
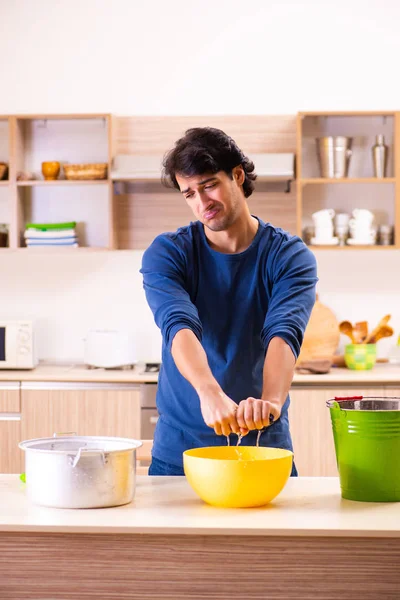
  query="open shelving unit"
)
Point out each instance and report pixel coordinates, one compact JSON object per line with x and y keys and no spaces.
{"x":5,"y":197}
{"x":66,"y":138}
{"x":117,"y":214}
{"x":361,"y":189}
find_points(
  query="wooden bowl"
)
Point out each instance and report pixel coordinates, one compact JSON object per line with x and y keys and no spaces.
{"x":3,"y":170}
{"x":51,"y":170}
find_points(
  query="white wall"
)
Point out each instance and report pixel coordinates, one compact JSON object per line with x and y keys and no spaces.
{"x":208,"y":57}
{"x":183,"y":57}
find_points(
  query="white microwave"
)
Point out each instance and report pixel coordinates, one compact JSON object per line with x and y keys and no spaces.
{"x":17,"y":345}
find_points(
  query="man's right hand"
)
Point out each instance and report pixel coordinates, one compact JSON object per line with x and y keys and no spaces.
{"x":219,"y":411}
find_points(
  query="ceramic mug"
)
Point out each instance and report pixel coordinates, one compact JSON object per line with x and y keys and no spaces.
{"x":323,"y":232}
{"x":362,"y":236}
{"x":363,"y":215}
{"x":323,"y":216}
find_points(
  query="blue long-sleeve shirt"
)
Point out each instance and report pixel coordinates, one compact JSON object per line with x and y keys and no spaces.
{"x":235,"y":304}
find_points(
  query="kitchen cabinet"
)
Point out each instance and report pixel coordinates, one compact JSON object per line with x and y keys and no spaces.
{"x":10,"y":428}
{"x":86,"y":409}
{"x":360,"y":189}
{"x":393,"y":392}
{"x":129,"y":215}
{"x":65,"y":138}
{"x":311,"y":428}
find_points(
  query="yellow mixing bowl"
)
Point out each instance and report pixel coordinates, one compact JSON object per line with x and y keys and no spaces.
{"x":237,"y":476}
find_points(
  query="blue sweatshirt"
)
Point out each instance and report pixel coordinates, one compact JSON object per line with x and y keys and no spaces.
{"x":235,"y":304}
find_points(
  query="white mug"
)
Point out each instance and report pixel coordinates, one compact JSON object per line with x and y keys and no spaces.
{"x":323,"y":216}
{"x":324,"y":230}
{"x":363,"y":236}
{"x":323,"y":234}
{"x":359,"y":224}
{"x":363,"y":215}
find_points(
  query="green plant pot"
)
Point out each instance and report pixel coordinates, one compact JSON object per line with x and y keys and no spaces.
{"x":360,"y":357}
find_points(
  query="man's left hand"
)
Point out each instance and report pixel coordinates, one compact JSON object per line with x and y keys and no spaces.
{"x":254,"y":413}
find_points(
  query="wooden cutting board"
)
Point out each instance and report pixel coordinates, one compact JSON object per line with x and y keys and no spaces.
{"x":321,"y":337}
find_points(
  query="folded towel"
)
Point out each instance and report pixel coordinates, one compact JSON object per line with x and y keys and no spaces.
{"x":54,"y":244}
{"x":51,"y":226}
{"x":51,"y":240}
{"x":53,"y":233}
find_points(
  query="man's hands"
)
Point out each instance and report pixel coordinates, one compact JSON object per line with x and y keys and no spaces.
{"x":219,"y":411}
{"x":224,"y":416}
{"x":254,"y":413}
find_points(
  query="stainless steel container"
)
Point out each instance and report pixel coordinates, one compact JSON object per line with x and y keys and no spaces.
{"x":380,"y":156}
{"x":71,"y":471}
{"x":334,"y":155}
{"x":385,"y":235}
{"x":3,"y":235}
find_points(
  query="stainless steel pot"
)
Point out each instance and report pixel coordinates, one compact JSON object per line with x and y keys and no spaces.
{"x":71,"y":471}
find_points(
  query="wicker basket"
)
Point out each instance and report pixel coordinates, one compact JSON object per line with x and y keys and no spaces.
{"x":86,"y":171}
{"x":3,"y":170}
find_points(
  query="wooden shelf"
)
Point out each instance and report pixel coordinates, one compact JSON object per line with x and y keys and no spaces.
{"x":343,"y":113}
{"x":53,"y":249}
{"x":323,"y":180}
{"x":362,"y":127}
{"x":41,"y":182}
{"x":360,"y":247}
{"x":4,"y":183}
{"x":72,"y":117}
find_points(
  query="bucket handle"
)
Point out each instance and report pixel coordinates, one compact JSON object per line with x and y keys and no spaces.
{"x":335,"y":402}
{"x":338,"y":412}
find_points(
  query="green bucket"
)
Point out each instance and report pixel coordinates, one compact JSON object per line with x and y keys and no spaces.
{"x":366,"y":432}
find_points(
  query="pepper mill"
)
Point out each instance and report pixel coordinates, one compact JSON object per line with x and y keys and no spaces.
{"x":379,"y":156}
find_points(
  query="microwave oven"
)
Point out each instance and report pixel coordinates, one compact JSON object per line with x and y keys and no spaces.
{"x":17,"y":345}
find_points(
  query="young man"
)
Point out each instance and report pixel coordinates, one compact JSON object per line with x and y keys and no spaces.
{"x":232,"y":296}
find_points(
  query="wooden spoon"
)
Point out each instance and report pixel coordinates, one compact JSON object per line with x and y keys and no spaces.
{"x":360,"y":332}
{"x":382,"y":323}
{"x":384,"y":331}
{"x":347,"y":328}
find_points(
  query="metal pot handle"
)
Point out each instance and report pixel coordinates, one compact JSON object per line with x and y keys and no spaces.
{"x":82,"y":450}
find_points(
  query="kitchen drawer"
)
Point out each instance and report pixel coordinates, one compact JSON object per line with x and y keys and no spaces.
{"x":10,"y":398}
{"x":148,"y":422}
{"x":86,"y":409}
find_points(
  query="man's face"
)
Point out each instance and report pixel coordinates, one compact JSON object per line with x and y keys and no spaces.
{"x":215,"y":199}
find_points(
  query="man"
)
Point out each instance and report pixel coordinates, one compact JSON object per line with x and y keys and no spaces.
{"x":232,"y":296}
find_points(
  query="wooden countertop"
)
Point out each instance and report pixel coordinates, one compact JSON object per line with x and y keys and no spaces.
{"x":73,"y":373}
{"x":308,"y":506}
{"x":381,"y":374}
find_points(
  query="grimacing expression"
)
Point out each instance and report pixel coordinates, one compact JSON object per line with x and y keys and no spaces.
{"x":214,"y":198}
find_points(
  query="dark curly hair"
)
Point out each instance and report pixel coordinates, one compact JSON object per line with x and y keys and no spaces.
{"x":206,"y":150}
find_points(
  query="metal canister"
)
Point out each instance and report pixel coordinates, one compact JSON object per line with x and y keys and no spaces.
{"x":380,"y":156}
{"x":385,"y":235}
{"x":334,"y":153}
{"x":3,"y":235}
